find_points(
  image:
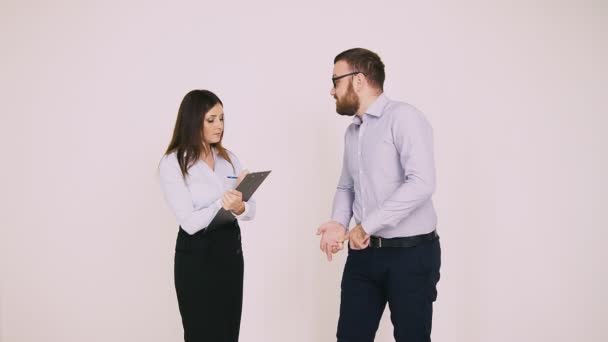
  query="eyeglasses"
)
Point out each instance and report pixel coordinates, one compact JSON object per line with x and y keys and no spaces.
{"x":334,"y":79}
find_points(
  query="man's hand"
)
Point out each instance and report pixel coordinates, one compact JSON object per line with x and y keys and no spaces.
{"x":358,"y":238}
{"x":233,"y":201}
{"x":333,"y":235}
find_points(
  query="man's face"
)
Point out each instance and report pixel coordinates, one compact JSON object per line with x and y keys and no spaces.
{"x":347,"y":101}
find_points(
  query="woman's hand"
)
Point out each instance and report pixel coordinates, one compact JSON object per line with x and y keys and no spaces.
{"x":233,"y":201}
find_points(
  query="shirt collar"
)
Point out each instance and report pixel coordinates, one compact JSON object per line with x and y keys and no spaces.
{"x":375,"y":109}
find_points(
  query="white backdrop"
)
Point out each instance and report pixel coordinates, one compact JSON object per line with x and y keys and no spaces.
{"x":515,"y":91}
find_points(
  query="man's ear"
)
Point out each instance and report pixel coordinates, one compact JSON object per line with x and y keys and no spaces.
{"x":359,"y":82}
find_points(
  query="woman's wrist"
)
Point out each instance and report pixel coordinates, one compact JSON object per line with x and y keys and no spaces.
{"x":240,"y":209}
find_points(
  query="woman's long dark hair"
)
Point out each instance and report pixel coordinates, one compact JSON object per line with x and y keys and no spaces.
{"x":187,"y":141}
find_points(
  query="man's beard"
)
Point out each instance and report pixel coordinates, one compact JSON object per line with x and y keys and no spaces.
{"x":349,"y":103}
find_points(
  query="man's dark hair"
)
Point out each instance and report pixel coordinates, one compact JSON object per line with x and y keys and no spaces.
{"x":366,"y":62}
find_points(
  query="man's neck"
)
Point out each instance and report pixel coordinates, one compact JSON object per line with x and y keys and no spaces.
{"x":365,"y":102}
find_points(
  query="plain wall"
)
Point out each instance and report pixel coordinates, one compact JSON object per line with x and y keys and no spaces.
{"x":515,"y":90}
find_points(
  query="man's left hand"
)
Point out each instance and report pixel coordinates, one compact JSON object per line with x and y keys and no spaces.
{"x":358,"y":238}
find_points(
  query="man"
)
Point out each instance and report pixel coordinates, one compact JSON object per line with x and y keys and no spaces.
{"x":387,"y":179}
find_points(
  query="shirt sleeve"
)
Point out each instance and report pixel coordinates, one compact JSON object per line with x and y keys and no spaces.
{"x":342,"y":210}
{"x":413,"y":138}
{"x":179,"y":199}
{"x":250,"y":206}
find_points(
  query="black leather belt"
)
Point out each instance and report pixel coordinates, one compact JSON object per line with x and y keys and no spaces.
{"x":408,"y":241}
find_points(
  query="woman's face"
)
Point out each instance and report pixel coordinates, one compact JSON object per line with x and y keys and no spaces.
{"x":213,"y":125}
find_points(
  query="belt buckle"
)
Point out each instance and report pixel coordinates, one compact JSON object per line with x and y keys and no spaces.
{"x":379,"y":242}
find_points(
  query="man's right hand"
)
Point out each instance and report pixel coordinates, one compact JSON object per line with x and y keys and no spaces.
{"x":333,"y":235}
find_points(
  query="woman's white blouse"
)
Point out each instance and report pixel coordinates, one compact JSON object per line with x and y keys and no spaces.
{"x":196,"y":199}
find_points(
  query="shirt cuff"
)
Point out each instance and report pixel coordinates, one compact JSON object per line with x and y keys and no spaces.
{"x":341,"y":220}
{"x":244,"y":213}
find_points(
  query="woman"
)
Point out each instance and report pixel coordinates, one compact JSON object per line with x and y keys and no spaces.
{"x":197,"y":176}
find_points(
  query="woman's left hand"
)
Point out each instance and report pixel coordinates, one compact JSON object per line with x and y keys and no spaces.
{"x":233,"y":201}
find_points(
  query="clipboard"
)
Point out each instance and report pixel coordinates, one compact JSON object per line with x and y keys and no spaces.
{"x":247,"y":187}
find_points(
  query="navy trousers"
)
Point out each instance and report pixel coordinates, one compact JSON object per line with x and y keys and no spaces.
{"x":405,"y":278}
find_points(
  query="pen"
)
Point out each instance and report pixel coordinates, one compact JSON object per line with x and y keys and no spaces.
{"x":232,"y":177}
